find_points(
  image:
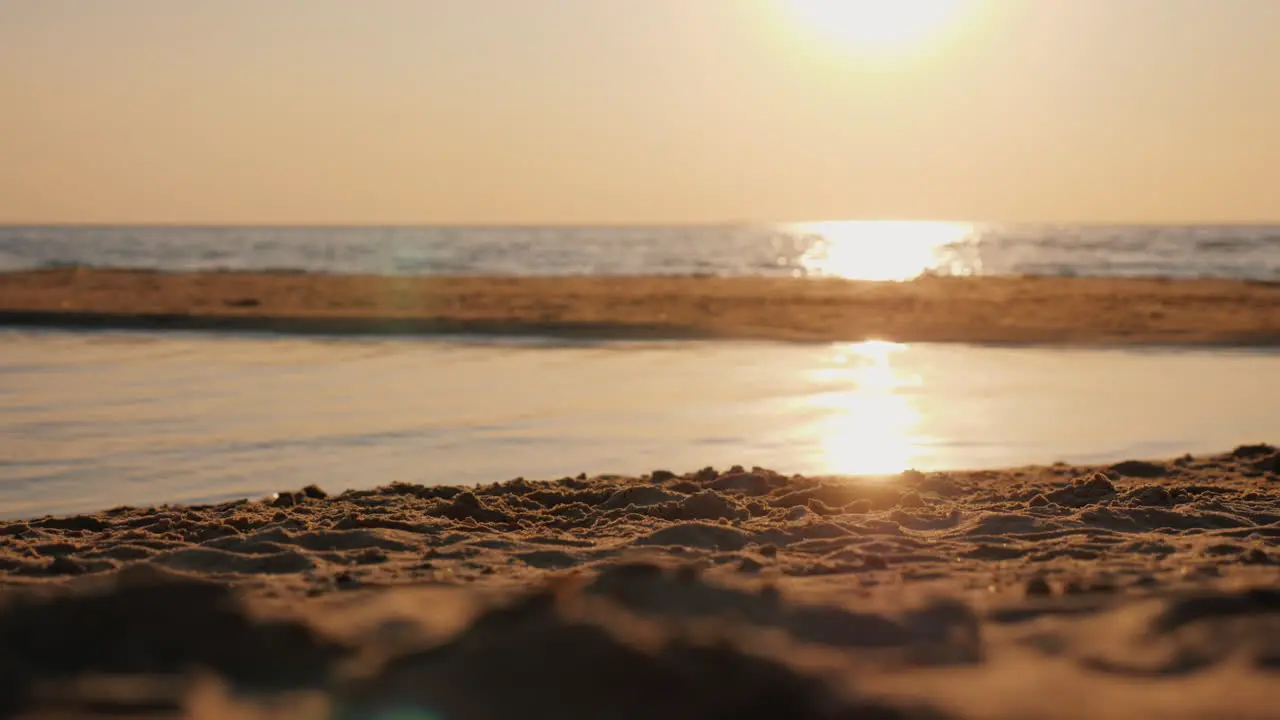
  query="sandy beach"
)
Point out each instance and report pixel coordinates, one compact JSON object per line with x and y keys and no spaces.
{"x":1136,"y":589}
{"x":977,"y":310}
{"x":1140,"y":589}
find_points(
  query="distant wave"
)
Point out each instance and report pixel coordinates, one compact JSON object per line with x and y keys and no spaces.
{"x":68,"y":265}
{"x":1237,"y":244}
{"x":212,"y":268}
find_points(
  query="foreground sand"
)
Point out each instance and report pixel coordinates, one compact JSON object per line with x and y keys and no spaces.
{"x":994,"y":310}
{"x":1143,"y":589}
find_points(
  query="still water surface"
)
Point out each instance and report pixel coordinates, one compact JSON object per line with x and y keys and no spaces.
{"x":93,"y":420}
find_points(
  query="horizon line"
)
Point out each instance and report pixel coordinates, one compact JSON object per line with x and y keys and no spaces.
{"x":194,"y":224}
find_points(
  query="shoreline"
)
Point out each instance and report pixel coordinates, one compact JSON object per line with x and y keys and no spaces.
{"x":1047,"y":591}
{"x":979,"y":310}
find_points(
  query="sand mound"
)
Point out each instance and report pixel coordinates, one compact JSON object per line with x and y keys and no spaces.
{"x":1136,"y":590}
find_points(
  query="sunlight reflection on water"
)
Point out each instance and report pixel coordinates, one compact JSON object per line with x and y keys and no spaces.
{"x":884,"y":250}
{"x":872,"y":424}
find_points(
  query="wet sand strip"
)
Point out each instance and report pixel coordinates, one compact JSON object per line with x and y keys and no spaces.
{"x":1003,"y":310}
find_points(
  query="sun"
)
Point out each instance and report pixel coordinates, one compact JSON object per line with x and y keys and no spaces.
{"x":874,"y":25}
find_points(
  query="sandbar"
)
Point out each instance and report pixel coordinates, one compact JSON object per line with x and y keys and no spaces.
{"x":997,"y":310}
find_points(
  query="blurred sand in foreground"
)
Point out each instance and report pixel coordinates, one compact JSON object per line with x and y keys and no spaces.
{"x":1137,"y":590}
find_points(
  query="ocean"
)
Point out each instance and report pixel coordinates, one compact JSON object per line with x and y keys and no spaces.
{"x":862,"y":250}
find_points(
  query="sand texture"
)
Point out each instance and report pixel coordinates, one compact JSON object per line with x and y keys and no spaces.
{"x":1138,"y":590}
{"x":985,"y":310}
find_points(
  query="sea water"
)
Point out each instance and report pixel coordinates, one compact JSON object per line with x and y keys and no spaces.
{"x":101,"y":419}
{"x":864,"y":250}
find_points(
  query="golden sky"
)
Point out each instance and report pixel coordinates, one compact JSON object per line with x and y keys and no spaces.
{"x":650,"y":111}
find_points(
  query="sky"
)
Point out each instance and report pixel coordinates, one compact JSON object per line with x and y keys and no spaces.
{"x":637,"y":111}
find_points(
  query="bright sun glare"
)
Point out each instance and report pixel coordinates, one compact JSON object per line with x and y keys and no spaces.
{"x":874,"y":25}
{"x":881,"y":250}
